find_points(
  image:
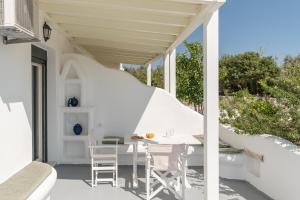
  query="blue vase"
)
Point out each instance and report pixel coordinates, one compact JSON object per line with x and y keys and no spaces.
{"x":73,"y":102}
{"x":77,"y":129}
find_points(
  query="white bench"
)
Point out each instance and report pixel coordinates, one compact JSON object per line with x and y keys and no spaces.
{"x":33,"y":182}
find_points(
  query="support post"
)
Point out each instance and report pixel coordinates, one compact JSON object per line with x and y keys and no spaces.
{"x":172,"y":71}
{"x":121,"y":67}
{"x":211,"y":106}
{"x":167,"y":72}
{"x":149,"y":67}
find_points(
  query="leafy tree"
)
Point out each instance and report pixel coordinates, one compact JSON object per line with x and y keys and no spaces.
{"x":189,"y":75}
{"x":245,"y":70}
{"x":158,"y":77}
{"x":276,"y":113}
{"x":140,"y":73}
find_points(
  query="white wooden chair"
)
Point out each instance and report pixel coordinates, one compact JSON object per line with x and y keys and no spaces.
{"x":104,"y":160}
{"x":165,"y":169}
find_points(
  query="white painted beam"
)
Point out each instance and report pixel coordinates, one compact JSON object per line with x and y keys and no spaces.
{"x":167,"y":72}
{"x":211,"y":106}
{"x":121,"y":60}
{"x":195,"y":22}
{"x":172,"y":71}
{"x":117,"y":25}
{"x":150,"y":6}
{"x":198,"y":1}
{"x":108,"y":33}
{"x":120,"y":45}
{"x":110,"y":51}
{"x":121,"y":39}
{"x":120,"y":15}
{"x":149,"y":70}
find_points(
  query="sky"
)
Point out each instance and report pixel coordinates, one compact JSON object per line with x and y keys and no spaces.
{"x":268,"y":26}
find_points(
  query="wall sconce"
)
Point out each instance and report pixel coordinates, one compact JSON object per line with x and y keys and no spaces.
{"x":46,"y":32}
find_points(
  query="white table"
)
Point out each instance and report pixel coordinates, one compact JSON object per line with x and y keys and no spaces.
{"x":176,"y":139}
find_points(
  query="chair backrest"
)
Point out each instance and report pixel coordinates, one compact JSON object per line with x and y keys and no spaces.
{"x":167,"y":157}
{"x":92,"y":139}
{"x":102,"y":149}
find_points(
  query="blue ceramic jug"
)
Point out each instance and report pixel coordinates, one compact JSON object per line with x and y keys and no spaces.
{"x":73,"y":102}
{"x":77,"y":129}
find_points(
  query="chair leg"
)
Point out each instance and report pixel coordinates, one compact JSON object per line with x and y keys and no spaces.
{"x":148,"y":183}
{"x":114,"y":179}
{"x":117,"y":174}
{"x":183,"y":185}
{"x":92,"y":176}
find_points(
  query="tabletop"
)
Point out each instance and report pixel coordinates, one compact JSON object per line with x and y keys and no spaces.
{"x":175,"y":139}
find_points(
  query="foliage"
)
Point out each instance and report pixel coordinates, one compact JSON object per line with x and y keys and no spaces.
{"x":138,"y":72}
{"x":244,"y":71}
{"x":277,"y":113}
{"x":258,"y":96}
{"x":158,"y":77}
{"x":189,"y":75}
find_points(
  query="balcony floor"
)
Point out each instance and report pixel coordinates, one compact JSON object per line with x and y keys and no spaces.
{"x":74,"y":183}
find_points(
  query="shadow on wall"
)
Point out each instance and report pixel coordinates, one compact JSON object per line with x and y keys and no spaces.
{"x":123,"y":105}
{"x":15,"y":143}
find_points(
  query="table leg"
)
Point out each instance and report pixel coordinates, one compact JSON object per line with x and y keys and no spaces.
{"x":134,"y":164}
{"x":187,"y":184}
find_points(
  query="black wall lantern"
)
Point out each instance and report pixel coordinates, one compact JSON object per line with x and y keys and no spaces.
{"x":46,"y":32}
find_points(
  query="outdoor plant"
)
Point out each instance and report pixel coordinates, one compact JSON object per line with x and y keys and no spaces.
{"x":276,"y":112}
{"x":189,"y":75}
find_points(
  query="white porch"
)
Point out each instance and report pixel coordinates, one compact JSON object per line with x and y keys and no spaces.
{"x":114,"y":32}
{"x":76,"y":178}
{"x":85,"y":34}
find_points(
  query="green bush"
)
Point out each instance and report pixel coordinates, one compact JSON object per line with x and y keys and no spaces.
{"x":277,"y":112}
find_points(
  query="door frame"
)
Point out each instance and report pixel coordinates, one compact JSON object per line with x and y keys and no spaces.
{"x":39,"y":58}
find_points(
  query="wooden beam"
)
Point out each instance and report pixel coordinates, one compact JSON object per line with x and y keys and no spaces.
{"x":197,"y":1}
{"x":83,"y":31}
{"x":120,"y":15}
{"x":95,"y":53}
{"x":118,"y":25}
{"x":195,"y":23}
{"x":122,"y":39}
{"x":119,"y":57}
{"x":116,"y":60}
{"x":120,"y":45}
{"x":150,"y":6}
{"x":113,"y":65}
{"x":105,"y":50}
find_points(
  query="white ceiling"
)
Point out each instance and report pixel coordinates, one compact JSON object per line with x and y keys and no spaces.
{"x":128,"y":31}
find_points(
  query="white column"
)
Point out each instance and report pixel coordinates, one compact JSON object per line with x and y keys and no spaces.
{"x":149,"y":67}
{"x":167,"y":72}
{"x":211,"y":106}
{"x":172,"y":70}
{"x":121,"y":67}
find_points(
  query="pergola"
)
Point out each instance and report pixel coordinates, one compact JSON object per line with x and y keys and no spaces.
{"x":141,"y":31}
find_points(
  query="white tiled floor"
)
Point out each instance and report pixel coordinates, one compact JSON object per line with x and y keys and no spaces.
{"x":73,"y":184}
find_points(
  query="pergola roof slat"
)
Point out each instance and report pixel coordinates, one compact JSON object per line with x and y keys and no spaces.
{"x":135,"y":16}
{"x":117,"y":25}
{"x":131,"y":31}
{"x":154,"y":6}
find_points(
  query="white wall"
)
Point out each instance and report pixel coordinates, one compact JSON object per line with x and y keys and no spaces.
{"x":15,"y":108}
{"x":16,"y":99}
{"x":55,"y":47}
{"x":278,"y":176}
{"x":123,"y":105}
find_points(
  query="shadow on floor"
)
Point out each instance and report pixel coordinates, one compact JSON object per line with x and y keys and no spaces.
{"x":78,"y":177}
